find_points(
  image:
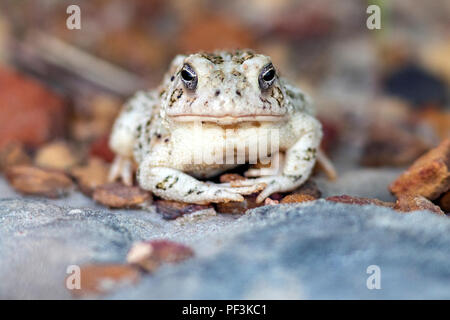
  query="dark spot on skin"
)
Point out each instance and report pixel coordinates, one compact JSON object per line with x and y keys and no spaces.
{"x":277,"y":95}
{"x":238,"y":58}
{"x":216,"y":59}
{"x":266,"y":103}
{"x":175,"y":181}
{"x":172,"y":78}
{"x":294,"y":178}
{"x":166,"y":140}
{"x":162,"y":184}
{"x":217,"y":92}
{"x":236,"y":73}
{"x":158,"y":136}
{"x":310,"y":154}
{"x":176,"y":94}
{"x":238,"y":93}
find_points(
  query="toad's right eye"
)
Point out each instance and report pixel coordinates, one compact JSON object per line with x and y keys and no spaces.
{"x":189,"y":77}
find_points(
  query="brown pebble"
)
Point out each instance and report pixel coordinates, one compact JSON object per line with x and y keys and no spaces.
{"x":37,"y":181}
{"x":56,"y":155}
{"x":149,"y":255}
{"x":309,"y":188}
{"x":297,"y":198}
{"x":359,"y":201}
{"x":407,"y":203}
{"x":90,"y":176}
{"x":101,"y":279}
{"x":233,"y":207}
{"x":381,"y":149}
{"x":228,"y":177}
{"x":444,"y":202}
{"x":30,"y":112}
{"x":173,"y":209}
{"x":13,"y":154}
{"x":429,"y":176}
{"x":117,"y":195}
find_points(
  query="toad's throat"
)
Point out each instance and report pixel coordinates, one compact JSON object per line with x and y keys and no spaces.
{"x":227,"y":118}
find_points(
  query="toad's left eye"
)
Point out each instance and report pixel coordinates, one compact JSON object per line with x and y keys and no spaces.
{"x":267,"y":77}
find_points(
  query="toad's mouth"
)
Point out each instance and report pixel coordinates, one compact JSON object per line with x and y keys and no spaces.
{"x":227,"y":119}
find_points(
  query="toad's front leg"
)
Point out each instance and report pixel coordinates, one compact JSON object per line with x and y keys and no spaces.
{"x":298,"y":164}
{"x":176,"y":185}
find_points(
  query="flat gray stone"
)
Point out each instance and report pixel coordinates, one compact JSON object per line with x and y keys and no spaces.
{"x":314,"y":251}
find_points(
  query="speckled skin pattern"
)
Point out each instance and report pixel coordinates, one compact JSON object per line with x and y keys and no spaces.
{"x":159,"y":129}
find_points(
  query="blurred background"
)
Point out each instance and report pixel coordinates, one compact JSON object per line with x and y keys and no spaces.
{"x":382,"y":95}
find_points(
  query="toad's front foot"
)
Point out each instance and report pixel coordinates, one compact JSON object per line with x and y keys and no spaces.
{"x":121,"y":168}
{"x":278,"y":183}
{"x":173,"y":184}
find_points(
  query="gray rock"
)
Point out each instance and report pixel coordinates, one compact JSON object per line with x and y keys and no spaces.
{"x":316,"y":250}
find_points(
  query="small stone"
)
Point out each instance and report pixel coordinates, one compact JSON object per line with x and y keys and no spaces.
{"x":270,"y":202}
{"x":117,"y":195}
{"x":297,"y":198}
{"x":13,"y":154}
{"x":360,"y":201}
{"x":100,"y":148}
{"x":309,"y":188}
{"x":149,"y":255}
{"x":407,"y":203}
{"x":30,"y":113}
{"x":233,"y":207}
{"x":381,"y":149}
{"x":173,"y":209}
{"x":90,"y":176}
{"x":444,"y":202}
{"x":428,"y":176}
{"x":56,"y":155}
{"x":227,"y":177}
{"x":103,"y":278}
{"x":37,"y":181}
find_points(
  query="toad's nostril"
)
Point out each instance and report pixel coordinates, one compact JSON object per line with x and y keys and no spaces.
{"x":238,"y":92}
{"x":217,"y":92}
